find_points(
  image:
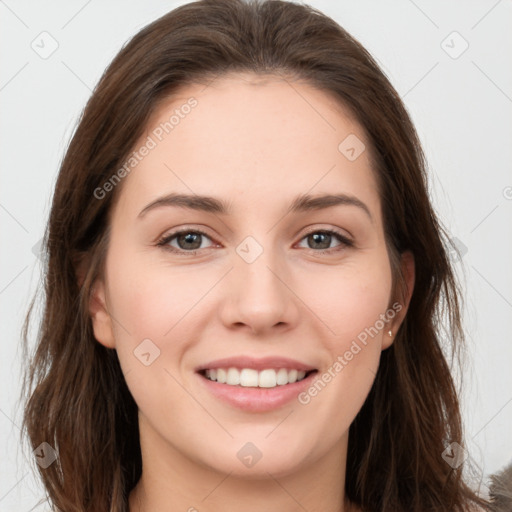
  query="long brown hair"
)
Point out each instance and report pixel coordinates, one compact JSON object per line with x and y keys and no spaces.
{"x":78,"y":401}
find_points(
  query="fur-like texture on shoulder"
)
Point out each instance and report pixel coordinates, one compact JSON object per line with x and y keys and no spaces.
{"x":500,"y":490}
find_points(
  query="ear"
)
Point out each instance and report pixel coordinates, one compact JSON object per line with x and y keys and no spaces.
{"x":401,"y":303}
{"x":101,"y":320}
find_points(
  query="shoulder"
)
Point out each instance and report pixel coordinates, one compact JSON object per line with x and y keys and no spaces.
{"x":500,"y":490}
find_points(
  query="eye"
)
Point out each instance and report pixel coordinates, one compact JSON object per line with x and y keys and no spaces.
{"x":190,"y":241}
{"x":321,"y":239}
{"x":187,"y":240}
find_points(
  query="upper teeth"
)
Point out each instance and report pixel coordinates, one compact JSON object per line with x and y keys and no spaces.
{"x":249,"y":377}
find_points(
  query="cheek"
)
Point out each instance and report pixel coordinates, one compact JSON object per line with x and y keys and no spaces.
{"x":160,"y":304}
{"x":350,"y":301}
{"x":153,"y":299}
{"x":350,"y":304}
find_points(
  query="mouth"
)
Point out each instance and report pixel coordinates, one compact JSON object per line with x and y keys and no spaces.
{"x":250,"y":378}
{"x":255,"y":391}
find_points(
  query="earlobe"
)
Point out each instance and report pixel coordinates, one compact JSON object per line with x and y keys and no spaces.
{"x":100,"y":317}
{"x":408,"y":271}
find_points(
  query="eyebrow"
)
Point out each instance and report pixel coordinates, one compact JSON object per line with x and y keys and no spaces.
{"x":301,"y":203}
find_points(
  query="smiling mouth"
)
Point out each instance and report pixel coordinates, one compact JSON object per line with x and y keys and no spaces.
{"x":251,"y":378}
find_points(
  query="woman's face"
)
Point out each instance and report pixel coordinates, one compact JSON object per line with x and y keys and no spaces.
{"x":265,"y":278}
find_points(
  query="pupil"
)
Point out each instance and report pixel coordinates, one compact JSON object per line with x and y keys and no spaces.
{"x":316,"y":236}
{"x":189,"y":238}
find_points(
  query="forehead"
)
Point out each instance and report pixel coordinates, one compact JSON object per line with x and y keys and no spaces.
{"x":250,"y":137}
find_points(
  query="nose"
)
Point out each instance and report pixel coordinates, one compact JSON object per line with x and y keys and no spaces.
{"x":258,"y":295}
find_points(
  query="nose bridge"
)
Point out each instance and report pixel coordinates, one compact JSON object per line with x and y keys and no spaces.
{"x":258,"y":297}
{"x":255,"y":265}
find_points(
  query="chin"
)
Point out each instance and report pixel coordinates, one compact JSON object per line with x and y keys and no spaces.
{"x":256,"y":458}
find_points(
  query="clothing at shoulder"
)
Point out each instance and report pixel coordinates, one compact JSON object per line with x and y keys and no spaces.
{"x":500,"y":490}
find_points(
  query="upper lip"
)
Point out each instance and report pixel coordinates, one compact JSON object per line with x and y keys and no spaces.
{"x":256,"y":364}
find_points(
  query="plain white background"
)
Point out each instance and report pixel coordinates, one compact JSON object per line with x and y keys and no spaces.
{"x":460,"y":100}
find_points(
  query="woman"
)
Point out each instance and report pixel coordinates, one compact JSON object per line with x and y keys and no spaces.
{"x":290,"y":358}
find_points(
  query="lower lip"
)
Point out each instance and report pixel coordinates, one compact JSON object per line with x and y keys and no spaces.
{"x":257,"y":399}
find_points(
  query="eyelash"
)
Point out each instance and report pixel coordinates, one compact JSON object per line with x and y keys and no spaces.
{"x":163,"y":242}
